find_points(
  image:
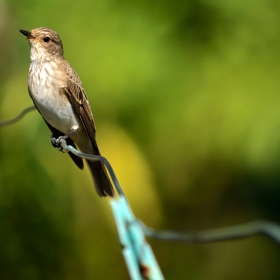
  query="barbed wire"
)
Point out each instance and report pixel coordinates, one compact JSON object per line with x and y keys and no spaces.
{"x":138,"y":255}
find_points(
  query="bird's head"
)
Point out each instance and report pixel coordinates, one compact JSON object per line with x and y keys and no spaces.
{"x":44,"y":43}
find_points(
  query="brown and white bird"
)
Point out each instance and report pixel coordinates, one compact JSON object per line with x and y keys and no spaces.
{"x":58,"y":94}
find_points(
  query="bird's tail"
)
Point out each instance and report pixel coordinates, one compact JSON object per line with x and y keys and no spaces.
{"x":100,"y":177}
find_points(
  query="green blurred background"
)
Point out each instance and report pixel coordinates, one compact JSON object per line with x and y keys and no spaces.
{"x":185,"y":95}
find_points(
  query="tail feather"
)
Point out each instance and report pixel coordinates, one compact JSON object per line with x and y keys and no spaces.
{"x":100,"y":177}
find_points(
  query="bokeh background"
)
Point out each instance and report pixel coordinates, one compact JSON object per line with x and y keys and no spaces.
{"x":185,"y":95}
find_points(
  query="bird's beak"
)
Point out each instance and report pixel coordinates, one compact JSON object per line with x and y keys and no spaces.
{"x":26,"y":33}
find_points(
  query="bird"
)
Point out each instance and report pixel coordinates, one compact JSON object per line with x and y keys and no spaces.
{"x":58,"y":95}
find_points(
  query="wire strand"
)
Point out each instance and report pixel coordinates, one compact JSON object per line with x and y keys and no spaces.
{"x":113,"y":176}
{"x":246,"y":230}
{"x":19,"y":117}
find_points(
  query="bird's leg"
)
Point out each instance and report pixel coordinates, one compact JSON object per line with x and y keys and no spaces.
{"x":56,"y":140}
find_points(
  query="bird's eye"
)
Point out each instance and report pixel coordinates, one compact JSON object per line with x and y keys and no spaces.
{"x":46,"y":39}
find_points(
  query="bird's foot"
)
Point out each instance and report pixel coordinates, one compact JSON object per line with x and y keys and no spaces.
{"x":57,"y":143}
{"x":56,"y":140}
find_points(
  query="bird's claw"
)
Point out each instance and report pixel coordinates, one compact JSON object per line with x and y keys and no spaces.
{"x":57,"y":144}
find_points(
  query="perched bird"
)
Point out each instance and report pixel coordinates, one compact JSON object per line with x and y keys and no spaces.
{"x":58,"y":95}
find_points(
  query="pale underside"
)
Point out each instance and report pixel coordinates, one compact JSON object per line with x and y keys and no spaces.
{"x":47,"y":92}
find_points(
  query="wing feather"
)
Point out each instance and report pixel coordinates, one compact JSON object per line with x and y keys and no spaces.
{"x":79,"y":101}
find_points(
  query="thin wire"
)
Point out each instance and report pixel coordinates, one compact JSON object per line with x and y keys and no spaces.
{"x":94,"y":158}
{"x":266,"y":228}
{"x":19,"y":117}
{"x":250,"y":229}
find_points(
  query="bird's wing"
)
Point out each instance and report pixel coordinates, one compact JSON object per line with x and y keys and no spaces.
{"x":79,"y":101}
{"x":80,"y":104}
